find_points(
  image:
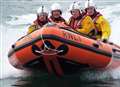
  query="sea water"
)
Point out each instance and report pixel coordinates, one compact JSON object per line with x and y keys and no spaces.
{"x":17,"y":15}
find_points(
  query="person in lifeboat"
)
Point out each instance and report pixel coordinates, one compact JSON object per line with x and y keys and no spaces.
{"x":56,"y":14}
{"x":79,"y":22}
{"x":42,"y":19}
{"x":102,"y":26}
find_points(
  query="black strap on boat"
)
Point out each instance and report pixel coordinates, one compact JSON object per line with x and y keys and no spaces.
{"x":115,"y":50}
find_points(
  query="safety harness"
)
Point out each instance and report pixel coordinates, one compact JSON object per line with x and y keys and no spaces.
{"x":94,"y":20}
{"x":75,"y":24}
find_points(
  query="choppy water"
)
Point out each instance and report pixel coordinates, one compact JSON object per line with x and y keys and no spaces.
{"x":17,"y":15}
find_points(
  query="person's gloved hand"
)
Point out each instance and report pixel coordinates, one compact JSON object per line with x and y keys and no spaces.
{"x":105,"y":40}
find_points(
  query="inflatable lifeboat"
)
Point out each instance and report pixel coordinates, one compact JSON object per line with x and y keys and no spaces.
{"x":56,"y":48}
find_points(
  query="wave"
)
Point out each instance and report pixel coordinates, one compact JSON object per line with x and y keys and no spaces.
{"x":21,"y":20}
{"x":8,"y":37}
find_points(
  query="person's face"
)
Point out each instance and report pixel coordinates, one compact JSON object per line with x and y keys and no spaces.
{"x":90,"y":11}
{"x":75,"y":13}
{"x":42,"y":18}
{"x":56,"y":14}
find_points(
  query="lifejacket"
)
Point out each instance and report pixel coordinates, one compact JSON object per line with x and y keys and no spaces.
{"x":82,"y":24}
{"x":76,"y":23}
{"x":102,"y":26}
{"x":95,"y":18}
{"x":57,"y":20}
{"x":37,"y":24}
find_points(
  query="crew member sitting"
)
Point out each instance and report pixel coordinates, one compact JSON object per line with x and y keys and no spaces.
{"x":80,"y":23}
{"x":42,"y":19}
{"x":101,"y":24}
{"x":56,"y":13}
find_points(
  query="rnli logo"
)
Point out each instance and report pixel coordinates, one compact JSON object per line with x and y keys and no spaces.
{"x":70,"y":36}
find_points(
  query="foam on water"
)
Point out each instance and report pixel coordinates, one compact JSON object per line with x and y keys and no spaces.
{"x":9,"y":36}
{"x":21,"y":20}
{"x":112,"y":14}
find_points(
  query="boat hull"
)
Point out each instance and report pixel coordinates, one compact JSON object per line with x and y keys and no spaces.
{"x":61,"y":50}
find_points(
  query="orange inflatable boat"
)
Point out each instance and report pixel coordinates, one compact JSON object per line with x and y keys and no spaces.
{"x":56,"y":48}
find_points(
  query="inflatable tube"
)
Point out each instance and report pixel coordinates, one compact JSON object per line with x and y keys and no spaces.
{"x":57,"y":48}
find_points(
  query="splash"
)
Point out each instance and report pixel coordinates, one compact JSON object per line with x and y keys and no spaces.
{"x":21,"y":20}
{"x":8,"y":37}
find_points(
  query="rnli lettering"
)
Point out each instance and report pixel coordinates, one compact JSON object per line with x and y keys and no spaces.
{"x":71,"y":36}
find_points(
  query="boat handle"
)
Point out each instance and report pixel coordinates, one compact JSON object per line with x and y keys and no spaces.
{"x":116,"y":50}
{"x":95,"y":45}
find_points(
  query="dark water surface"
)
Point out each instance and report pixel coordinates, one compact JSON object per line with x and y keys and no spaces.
{"x":53,"y":81}
{"x":45,"y":80}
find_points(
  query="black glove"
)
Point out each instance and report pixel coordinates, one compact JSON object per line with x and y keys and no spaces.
{"x":105,"y":40}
